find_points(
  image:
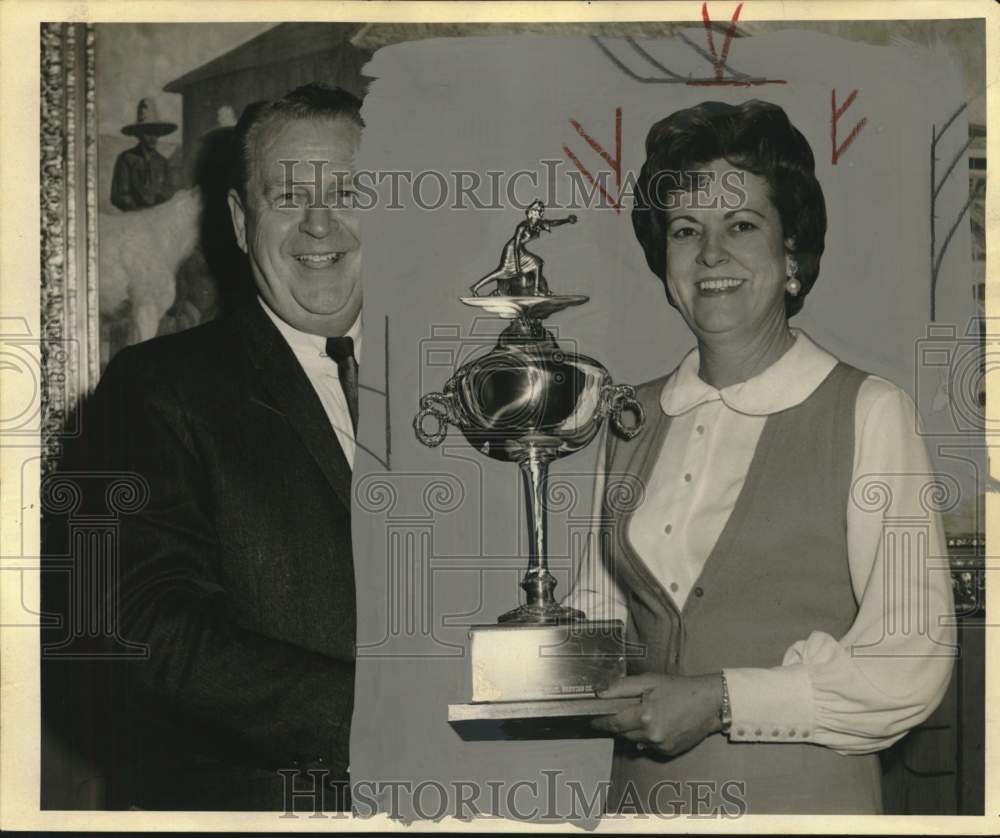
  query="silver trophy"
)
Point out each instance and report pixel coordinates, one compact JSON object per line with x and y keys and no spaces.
{"x":529,"y":401}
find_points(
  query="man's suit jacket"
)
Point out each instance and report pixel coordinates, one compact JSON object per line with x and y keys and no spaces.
{"x":237,"y":572}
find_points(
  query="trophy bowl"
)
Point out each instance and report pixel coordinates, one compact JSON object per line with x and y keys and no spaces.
{"x":528,"y":397}
{"x":521,"y":397}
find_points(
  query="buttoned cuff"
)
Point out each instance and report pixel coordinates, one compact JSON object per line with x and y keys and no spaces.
{"x":771,"y":705}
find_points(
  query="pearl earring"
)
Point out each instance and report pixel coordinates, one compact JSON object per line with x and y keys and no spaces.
{"x":793,"y":286}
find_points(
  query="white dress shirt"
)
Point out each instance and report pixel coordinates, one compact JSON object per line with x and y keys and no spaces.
{"x":321,"y":370}
{"x":847,"y":699}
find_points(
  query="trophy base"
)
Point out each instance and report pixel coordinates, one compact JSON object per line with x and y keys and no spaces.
{"x":531,"y":662}
{"x":541,"y":614}
{"x":541,"y":681}
{"x":558,"y":719}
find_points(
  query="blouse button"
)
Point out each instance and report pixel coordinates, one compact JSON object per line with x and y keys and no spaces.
{"x":669,"y":528}
{"x":674,"y":587}
{"x":775,"y":733}
{"x":699,"y":591}
{"x":741,"y":732}
{"x":687,"y":477}
{"x":700,"y":429}
{"x":758,"y":732}
{"x":791,"y":732}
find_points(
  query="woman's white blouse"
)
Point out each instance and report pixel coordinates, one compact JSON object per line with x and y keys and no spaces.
{"x":857,"y":693}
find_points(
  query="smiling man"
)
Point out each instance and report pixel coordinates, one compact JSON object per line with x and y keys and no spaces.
{"x":237,"y":572}
{"x":292,"y":215}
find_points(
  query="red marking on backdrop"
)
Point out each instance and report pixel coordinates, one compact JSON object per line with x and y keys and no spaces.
{"x":732,"y":82}
{"x":615,"y":161}
{"x":835,"y":114}
{"x":719,"y":62}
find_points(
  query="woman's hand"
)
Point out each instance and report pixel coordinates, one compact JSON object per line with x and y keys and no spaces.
{"x":676,"y":712}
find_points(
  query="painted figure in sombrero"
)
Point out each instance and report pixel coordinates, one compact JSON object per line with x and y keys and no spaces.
{"x":142,"y":174}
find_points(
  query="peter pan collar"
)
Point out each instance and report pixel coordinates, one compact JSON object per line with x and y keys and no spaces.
{"x":787,"y":382}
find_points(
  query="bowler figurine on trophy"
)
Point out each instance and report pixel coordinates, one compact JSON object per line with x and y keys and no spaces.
{"x":529,"y":401}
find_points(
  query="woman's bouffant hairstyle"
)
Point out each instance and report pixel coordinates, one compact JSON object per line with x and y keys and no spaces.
{"x":754,"y":136}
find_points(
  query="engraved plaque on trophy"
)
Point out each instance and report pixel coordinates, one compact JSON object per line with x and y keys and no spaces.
{"x":528,"y":401}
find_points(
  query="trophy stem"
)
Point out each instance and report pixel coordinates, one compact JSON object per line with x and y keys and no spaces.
{"x":535,"y":470}
{"x":538,"y":582}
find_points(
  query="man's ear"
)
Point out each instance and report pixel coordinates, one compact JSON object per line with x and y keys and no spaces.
{"x":239,"y":215}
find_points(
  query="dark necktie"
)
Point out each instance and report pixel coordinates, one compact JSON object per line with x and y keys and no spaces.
{"x":341,"y":350}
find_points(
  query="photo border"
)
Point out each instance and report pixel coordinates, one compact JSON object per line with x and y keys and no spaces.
{"x":69,"y":258}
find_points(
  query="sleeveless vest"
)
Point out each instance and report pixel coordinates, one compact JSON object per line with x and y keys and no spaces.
{"x":778,"y":572}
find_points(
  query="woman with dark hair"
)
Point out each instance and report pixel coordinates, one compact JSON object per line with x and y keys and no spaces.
{"x":783,"y":640}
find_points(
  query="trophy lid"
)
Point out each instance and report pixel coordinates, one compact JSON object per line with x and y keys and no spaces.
{"x":533,"y":308}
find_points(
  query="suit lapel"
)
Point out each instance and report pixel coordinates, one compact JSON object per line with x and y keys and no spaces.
{"x":291,"y":394}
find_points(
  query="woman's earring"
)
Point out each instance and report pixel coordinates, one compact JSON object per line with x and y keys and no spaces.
{"x":793,"y":286}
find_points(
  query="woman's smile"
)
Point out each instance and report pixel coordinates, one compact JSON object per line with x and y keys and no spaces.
{"x":718,"y":286}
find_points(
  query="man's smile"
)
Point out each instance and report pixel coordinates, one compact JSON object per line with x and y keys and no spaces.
{"x":319,"y":260}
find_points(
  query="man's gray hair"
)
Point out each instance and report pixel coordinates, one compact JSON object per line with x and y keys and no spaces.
{"x":311,"y":101}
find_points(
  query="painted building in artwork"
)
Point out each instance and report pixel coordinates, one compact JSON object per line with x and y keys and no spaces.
{"x":265,"y":67}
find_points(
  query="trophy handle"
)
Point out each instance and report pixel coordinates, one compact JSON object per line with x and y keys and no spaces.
{"x":440,"y":407}
{"x":618,"y":399}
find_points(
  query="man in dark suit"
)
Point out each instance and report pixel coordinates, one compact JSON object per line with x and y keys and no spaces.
{"x":237,"y":572}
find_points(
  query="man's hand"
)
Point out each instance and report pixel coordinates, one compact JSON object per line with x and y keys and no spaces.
{"x":676,"y":712}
